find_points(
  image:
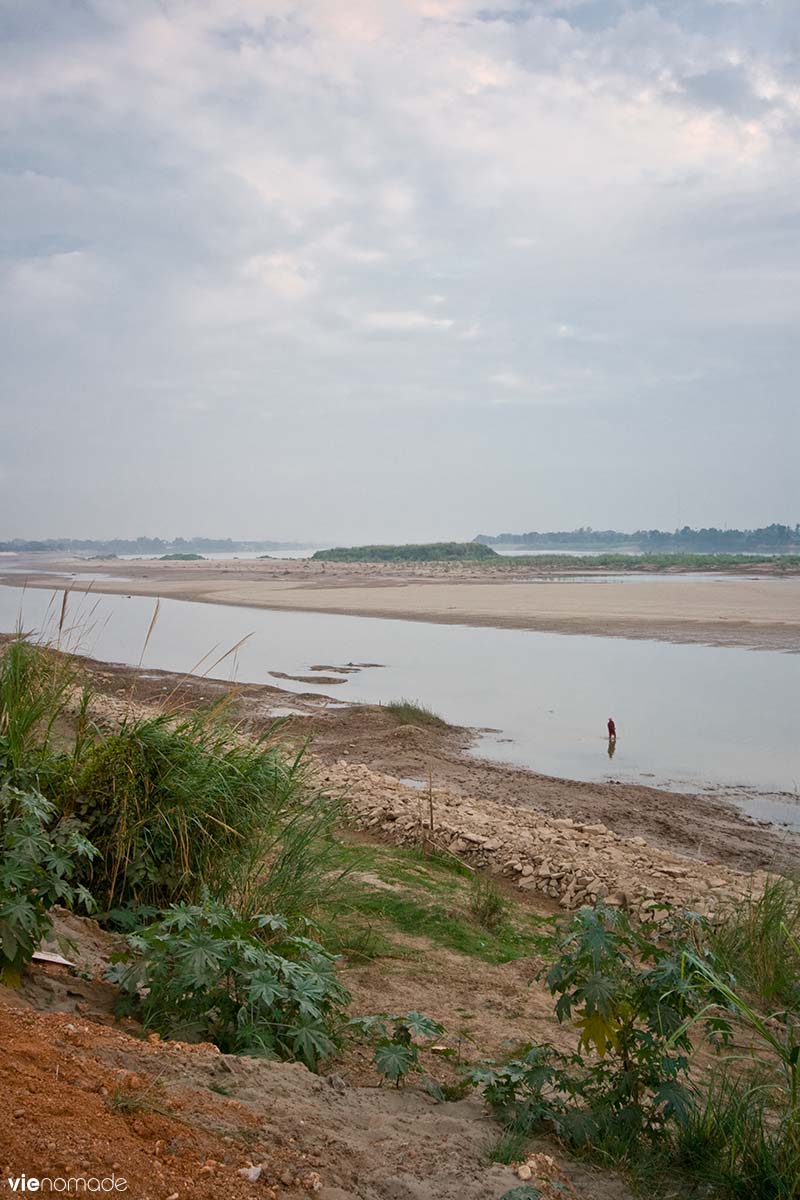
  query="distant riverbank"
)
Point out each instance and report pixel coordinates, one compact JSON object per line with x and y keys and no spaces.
{"x":752,"y":610}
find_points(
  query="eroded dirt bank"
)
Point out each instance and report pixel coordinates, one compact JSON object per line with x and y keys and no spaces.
{"x":81,"y":1095}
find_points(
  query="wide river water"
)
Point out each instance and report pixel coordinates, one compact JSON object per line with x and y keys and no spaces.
{"x":689,"y":717}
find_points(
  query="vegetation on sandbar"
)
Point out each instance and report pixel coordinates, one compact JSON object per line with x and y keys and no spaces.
{"x":423,"y":552}
{"x":412,"y":712}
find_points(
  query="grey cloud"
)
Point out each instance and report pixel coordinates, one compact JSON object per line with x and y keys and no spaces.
{"x":313,"y":253}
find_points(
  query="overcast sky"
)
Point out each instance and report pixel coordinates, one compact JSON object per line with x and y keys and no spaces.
{"x":397,"y":269}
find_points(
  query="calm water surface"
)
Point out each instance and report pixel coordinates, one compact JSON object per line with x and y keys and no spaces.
{"x":689,"y":717}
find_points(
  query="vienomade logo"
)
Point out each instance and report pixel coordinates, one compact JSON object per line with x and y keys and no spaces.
{"x":74,"y":1185}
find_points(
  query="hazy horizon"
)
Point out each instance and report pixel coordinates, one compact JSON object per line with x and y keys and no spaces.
{"x":407,"y":269}
{"x":319,"y":542}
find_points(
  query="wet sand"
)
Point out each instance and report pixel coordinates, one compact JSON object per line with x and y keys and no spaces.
{"x":758,"y":612}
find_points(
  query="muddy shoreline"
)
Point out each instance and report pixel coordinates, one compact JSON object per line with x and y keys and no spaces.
{"x":756,"y":611}
{"x":698,"y":826}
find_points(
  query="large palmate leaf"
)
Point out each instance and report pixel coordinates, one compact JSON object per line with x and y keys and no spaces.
{"x":394,"y":1060}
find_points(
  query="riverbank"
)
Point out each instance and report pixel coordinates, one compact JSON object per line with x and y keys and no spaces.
{"x":413,"y":939}
{"x":752,"y":611}
{"x":388,"y":767}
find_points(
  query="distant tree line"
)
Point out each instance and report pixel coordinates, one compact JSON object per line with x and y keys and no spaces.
{"x":143,"y":545}
{"x":774,"y":538}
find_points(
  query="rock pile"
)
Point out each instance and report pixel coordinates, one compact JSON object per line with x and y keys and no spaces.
{"x":570,"y":862}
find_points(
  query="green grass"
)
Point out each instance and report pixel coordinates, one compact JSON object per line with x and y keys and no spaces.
{"x":423,"y":552}
{"x":430,"y":898}
{"x":731,"y":1146}
{"x":35,"y":689}
{"x":753,"y":943}
{"x":174,"y":807}
{"x":412,"y":712}
{"x":510,"y":1148}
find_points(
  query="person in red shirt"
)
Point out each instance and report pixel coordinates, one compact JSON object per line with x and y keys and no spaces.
{"x":612,"y":729}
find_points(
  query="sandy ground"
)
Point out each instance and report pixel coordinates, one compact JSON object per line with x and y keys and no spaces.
{"x":760,"y":612}
{"x":81,"y":1095}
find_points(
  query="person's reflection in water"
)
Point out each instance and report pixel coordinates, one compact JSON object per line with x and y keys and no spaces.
{"x":612,"y":746}
{"x":612,"y":737}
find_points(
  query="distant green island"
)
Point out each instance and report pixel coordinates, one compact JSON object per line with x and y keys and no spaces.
{"x":181,"y":557}
{"x":424,"y":552}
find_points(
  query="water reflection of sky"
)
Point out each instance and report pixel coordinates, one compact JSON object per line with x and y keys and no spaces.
{"x":688,"y":716}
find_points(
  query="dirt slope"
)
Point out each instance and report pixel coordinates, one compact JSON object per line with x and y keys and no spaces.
{"x":78,"y":1098}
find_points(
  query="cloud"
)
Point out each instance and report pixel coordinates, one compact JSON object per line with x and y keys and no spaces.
{"x":404,"y":322}
{"x":281,"y":274}
{"x":506,"y":379}
{"x":322,"y":230}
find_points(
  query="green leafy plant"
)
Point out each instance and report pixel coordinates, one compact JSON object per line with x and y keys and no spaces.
{"x":39,"y":857}
{"x":632,"y":999}
{"x":206,"y":972}
{"x":398,"y":1041}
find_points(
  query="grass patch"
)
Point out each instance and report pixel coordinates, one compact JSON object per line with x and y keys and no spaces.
{"x":35,"y":688}
{"x":431,"y":898}
{"x":412,"y":712}
{"x":651,"y":562}
{"x":510,"y":1148}
{"x":174,"y":807}
{"x":753,"y":943}
{"x":731,"y":1146}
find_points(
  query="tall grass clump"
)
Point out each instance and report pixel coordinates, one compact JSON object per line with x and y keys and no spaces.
{"x":734,"y":1144}
{"x":487,"y":904}
{"x":35,"y":689}
{"x":753,"y":943}
{"x":176,"y":808}
{"x":412,"y":712}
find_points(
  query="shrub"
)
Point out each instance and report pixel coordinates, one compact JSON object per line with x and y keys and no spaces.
{"x":488,"y":904}
{"x":178,"y":808}
{"x":632,"y":1000}
{"x":205,"y":972}
{"x":625,"y":1092}
{"x":38,"y":860}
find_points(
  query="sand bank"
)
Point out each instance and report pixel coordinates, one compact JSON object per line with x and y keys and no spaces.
{"x":755,"y":612}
